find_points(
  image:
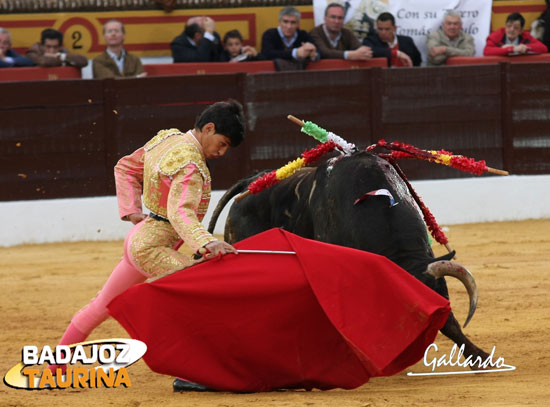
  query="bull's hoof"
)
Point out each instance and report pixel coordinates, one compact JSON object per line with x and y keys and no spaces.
{"x":184,"y":385}
{"x":483,"y":356}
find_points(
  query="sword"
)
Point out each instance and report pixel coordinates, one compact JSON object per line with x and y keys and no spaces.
{"x":202,"y":252}
{"x":265,"y":251}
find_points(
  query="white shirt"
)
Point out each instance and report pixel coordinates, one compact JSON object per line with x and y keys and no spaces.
{"x":118,"y":61}
{"x":288,"y":42}
{"x":334,"y":42}
{"x":394,"y":43}
{"x":515,"y":42}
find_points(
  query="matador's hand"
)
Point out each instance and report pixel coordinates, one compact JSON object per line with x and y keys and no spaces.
{"x":135,"y":218}
{"x":219,"y":247}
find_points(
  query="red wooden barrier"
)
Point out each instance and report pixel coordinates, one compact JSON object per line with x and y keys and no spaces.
{"x":60,"y":139}
{"x":495,"y":60}
{"x":199,"y":68}
{"x":202,"y":68}
{"x":345,"y":64}
{"x":39,"y":74}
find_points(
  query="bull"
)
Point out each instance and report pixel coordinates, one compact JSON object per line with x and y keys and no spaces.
{"x":320,"y":203}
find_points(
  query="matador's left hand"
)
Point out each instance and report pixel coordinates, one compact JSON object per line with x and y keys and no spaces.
{"x":135,"y":218}
{"x":219,"y":247}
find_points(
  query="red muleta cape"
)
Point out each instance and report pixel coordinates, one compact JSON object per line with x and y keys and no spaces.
{"x":327,"y":317}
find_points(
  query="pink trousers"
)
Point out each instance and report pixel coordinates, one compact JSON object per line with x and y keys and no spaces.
{"x":125,"y":275}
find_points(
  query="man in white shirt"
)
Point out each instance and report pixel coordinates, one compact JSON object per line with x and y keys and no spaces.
{"x":336,"y":42}
{"x":116,"y":62}
{"x":287,"y":41}
{"x":449,"y":41}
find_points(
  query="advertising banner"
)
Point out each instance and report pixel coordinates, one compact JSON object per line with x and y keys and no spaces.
{"x":415,"y":18}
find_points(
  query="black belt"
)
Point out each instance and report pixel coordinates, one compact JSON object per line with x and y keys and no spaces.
{"x":158,"y":217}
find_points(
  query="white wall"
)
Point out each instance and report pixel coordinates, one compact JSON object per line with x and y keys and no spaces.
{"x":487,"y":199}
{"x":471,"y":200}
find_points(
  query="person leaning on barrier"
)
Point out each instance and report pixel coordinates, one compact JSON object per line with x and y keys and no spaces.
{"x":51,"y":52}
{"x":199,"y":42}
{"x":400,"y":50}
{"x":540,"y":28}
{"x":449,"y":40}
{"x":512,"y":39}
{"x":116,"y":62}
{"x":234,"y":51}
{"x":336,"y":42}
{"x":8,"y":57}
{"x":287,"y":45}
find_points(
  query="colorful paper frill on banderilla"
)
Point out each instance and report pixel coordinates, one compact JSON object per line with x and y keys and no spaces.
{"x":459,"y":162}
{"x":275,"y":176}
{"x":402,"y":150}
{"x":322,"y":135}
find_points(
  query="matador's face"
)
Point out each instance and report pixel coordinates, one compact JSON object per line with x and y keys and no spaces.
{"x":215,"y":145}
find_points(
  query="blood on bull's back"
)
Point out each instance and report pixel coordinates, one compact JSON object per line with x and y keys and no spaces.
{"x":362,"y":202}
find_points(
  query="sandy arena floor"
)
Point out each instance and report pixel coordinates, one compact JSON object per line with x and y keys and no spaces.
{"x":43,"y":285}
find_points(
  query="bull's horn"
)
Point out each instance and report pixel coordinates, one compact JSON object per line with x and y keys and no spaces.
{"x":443,"y":268}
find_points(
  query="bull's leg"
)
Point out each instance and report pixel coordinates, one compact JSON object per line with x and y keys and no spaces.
{"x":452,"y":330}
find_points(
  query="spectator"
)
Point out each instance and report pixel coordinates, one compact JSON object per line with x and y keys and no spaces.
{"x":8,"y":57}
{"x":234,"y":50}
{"x":540,"y":28}
{"x":116,"y":62}
{"x":51,"y":52}
{"x":199,"y":42}
{"x":335,"y":41}
{"x":287,"y":45}
{"x":449,"y":41}
{"x":512,"y":39}
{"x":400,"y":50}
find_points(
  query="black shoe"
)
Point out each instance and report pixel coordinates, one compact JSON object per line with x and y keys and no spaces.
{"x":184,"y":385}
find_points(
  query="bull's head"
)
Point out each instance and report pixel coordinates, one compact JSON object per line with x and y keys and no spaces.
{"x":443,"y":268}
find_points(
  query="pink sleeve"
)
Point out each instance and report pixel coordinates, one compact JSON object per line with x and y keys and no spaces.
{"x":129,"y":183}
{"x":183,"y":202}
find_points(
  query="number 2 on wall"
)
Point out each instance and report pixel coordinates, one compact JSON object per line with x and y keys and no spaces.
{"x":76,"y":36}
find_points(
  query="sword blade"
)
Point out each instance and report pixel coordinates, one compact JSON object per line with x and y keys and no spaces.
{"x":265,"y":251}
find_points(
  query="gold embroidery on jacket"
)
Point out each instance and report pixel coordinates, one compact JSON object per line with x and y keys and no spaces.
{"x":170,"y":156}
{"x":160,"y":137}
{"x":179,"y":157}
{"x":151,"y":249}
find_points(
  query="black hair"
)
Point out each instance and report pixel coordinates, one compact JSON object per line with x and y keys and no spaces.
{"x":228,"y":117}
{"x":192,"y":29}
{"x":386,"y":17}
{"x":516,"y":17}
{"x":51,"y":34}
{"x":232,"y":34}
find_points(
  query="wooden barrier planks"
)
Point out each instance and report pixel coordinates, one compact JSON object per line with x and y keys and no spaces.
{"x":62,"y":138}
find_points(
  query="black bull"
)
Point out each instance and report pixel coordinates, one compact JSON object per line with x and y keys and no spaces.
{"x":319,"y":203}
